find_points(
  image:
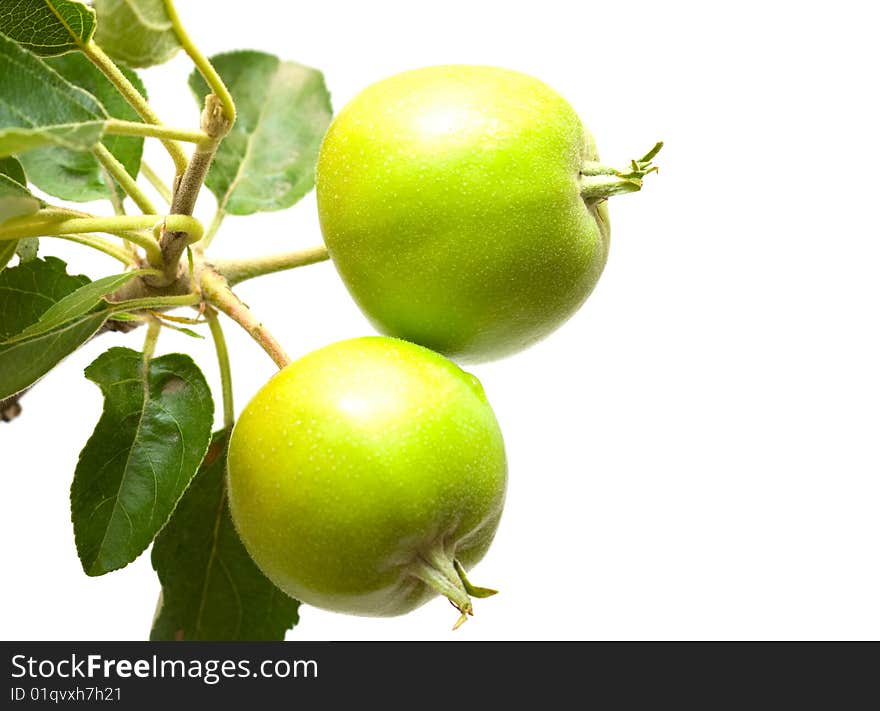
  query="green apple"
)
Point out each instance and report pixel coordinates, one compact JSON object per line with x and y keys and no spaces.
{"x":464,"y":207}
{"x":367,"y":476}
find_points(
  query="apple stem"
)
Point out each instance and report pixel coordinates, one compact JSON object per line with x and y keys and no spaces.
{"x":438,"y":570}
{"x":599,"y":182}
{"x":216,"y":290}
{"x":472,"y":590}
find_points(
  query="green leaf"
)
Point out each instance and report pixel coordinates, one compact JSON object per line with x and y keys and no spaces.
{"x":147,"y":446}
{"x":7,"y":252}
{"x":76,"y":304}
{"x":136,"y":32}
{"x":267,"y":162}
{"x":211,"y":588}
{"x":11,"y":168}
{"x":47,"y":27}
{"x":27,"y":291}
{"x":77,"y":175}
{"x":39,"y":108}
{"x":15,"y":199}
{"x":80,"y":136}
{"x":24,"y":362}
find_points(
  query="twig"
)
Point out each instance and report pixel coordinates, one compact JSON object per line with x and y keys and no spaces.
{"x":173,"y":243}
{"x":217,"y":292}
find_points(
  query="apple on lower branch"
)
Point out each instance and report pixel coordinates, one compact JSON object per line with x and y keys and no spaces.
{"x":367,"y":476}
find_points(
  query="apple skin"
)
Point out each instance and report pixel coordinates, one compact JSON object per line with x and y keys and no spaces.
{"x":449,"y":201}
{"x":359,"y":461}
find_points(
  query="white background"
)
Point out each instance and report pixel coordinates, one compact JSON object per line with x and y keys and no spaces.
{"x":695,"y":454}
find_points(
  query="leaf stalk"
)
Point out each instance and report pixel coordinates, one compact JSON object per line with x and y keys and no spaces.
{"x":238,"y":270}
{"x":103,"y":62}
{"x":118,"y":172}
{"x":202,"y":63}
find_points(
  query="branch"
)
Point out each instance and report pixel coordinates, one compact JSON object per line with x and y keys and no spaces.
{"x":174,"y":242}
{"x":216,"y":290}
